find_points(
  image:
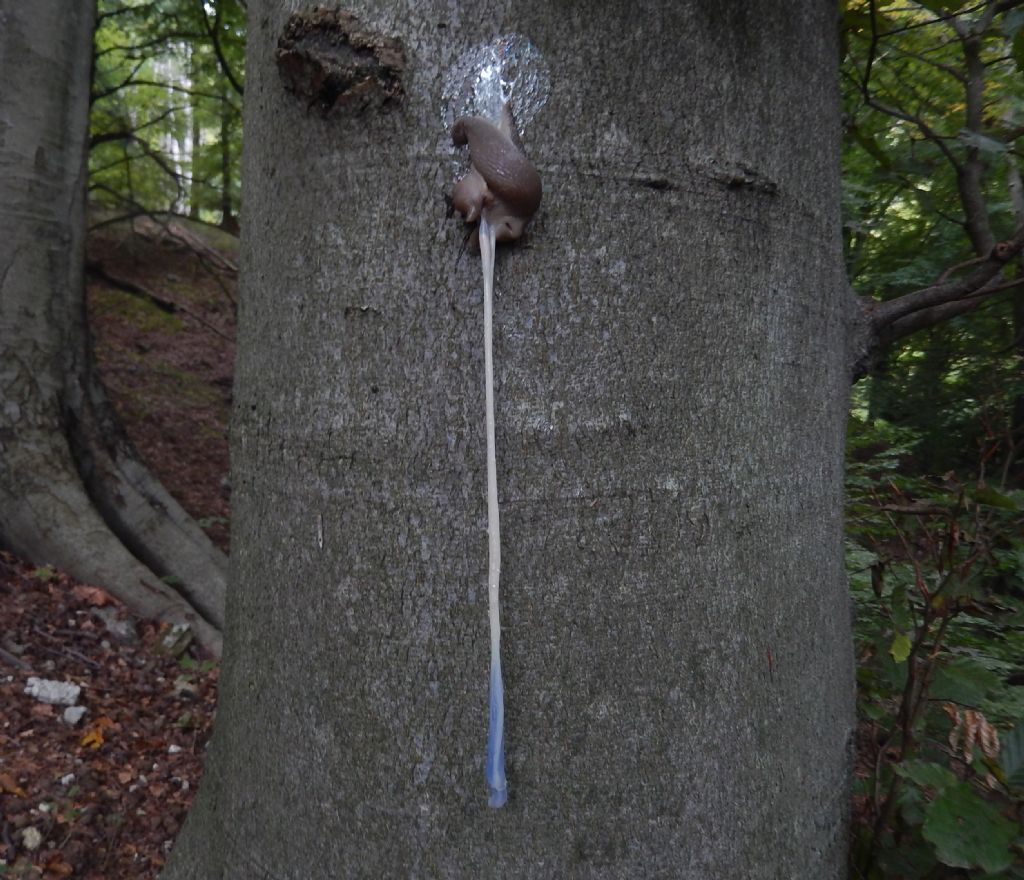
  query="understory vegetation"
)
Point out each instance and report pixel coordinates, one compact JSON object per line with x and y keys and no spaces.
{"x":934,"y":103}
{"x":936,"y":567}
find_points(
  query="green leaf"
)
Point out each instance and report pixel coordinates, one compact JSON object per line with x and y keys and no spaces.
{"x":1017,"y":50}
{"x":900,"y":648}
{"x":912,"y":860}
{"x":969,"y":832}
{"x":994,"y":498}
{"x":874,"y":712}
{"x":963,"y":681}
{"x":901,"y":615}
{"x":956,"y":587}
{"x":927,"y":774}
{"x":1011,"y":756}
{"x":912,"y":804}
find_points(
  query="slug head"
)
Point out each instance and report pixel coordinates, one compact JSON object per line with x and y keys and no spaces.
{"x":501,"y":182}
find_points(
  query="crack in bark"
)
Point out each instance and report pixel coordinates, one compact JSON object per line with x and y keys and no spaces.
{"x":10,"y":265}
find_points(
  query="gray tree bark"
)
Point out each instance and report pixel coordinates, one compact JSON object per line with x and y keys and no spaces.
{"x":71,"y":492}
{"x":671,"y":383}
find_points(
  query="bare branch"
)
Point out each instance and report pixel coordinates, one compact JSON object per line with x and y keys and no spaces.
{"x":924,"y":318}
{"x":970,"y":176}
{"x":950,"y":16}
{"x":213,"y":30}
{"x":883,"y":315}
{"x":131,"y":51}
{"x":129,"y":134}
{"x":121,"y":10}
{"x":156,"y":84}
{"x":953,"y":269}
{"x":96,"y":96}
{"x":926,"y":130}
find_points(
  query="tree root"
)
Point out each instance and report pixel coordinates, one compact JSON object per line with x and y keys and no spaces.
{"x":49,"y":517}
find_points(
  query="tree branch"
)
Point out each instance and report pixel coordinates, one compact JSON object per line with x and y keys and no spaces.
{"x":131,"y":51}
{"x":970,"y":176}
{"x":156,"y":84}
{"x":883,"y":315}
{"x":129,"y":134}
{"x":213,"y":30}
{"x":924,"y":318}
{"x":98,"y":96}
{"x":877,"y":324}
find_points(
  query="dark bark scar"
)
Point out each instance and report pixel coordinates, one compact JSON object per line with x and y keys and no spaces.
{"x":327,"y":59}
{"x":735,"y":176}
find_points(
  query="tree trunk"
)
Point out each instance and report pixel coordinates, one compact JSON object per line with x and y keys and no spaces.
{"x":227,"y":216}
{"x":71,"y":493}
{"x":195,"y":187}
{"x":671,"y":385}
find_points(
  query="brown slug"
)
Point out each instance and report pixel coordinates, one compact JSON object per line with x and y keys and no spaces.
{"x":501,"y":181}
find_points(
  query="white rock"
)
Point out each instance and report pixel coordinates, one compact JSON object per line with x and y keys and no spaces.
{"x":122,"y":630}
{"x":173,"y":749}
{"x":31,"y":838}
{"x":73,"y":714}
{"x":56,"y":693}
{"x":67,"y":780}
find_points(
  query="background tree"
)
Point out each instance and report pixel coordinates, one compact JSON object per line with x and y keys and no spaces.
{"x":71,"y":490}
{"x":166,"y":111}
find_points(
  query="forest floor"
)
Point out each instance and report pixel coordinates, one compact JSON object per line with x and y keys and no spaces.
{"x":103,"y":797}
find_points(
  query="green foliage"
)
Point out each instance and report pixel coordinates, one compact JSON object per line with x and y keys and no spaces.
{"x":1012,"y":757}
{"x":166,"y":114}
{"x":933,"y":101}
{"x":200,"y":667}
{"x":933,"y":105}
{"x":968,"y":832}
{"x":936,"y":570}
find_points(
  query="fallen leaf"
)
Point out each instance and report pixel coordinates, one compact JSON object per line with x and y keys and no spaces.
{"x":57,"y":867}
{"x":93,"y":737}
{"x":92,"y":595}
{"x":8,"y":784}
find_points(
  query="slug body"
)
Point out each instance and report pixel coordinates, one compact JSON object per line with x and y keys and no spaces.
{"x":502,"y":183}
